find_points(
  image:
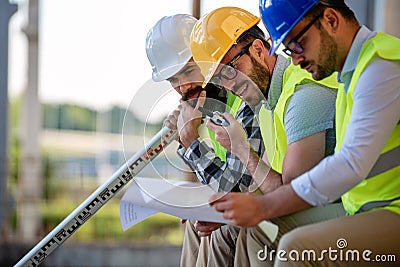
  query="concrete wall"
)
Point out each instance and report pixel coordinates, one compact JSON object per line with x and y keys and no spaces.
{"x":378,"y":15}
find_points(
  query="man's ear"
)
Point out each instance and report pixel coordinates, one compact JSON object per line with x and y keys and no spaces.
{"x":258,"y":48}
{"x":331,"y":20}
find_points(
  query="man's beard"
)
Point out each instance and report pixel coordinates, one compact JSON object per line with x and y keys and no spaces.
{"x":326,"y":56}
{"x":194,"y":91}
{"x":260,"y":76}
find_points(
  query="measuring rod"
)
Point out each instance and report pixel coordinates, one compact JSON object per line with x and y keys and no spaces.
{"x":98,"y":198}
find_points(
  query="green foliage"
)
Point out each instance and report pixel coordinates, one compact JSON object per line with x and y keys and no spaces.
{"x":14,"y":112}
{"x":14,"y":160}
{"x":73,"y":117}
{"x":69,"y":117}
{"x":14,"y":142}
{"x":61,"y":196}
{"x":105,"y":225}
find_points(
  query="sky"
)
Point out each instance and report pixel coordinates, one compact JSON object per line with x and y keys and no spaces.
{"x":92,"y":52}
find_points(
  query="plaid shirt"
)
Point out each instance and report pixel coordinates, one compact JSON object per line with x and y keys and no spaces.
{"x":231,"y":175}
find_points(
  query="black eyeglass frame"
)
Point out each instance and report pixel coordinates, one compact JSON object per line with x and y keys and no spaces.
{"x":293,"y":46}
{"x":229,"y":67}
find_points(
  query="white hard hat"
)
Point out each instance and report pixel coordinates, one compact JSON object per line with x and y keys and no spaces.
{"x":168,"y":45}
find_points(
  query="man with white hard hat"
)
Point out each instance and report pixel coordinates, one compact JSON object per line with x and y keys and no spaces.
{"x":168,"y":51}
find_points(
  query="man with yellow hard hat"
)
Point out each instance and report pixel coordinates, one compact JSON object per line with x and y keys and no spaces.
{"x":231,"y":49}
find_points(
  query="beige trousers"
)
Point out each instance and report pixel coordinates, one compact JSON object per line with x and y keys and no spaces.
{"x":366,"y":239}
{"x":194,"y":248}
{"x":216,"y":250}
{"x":229,"y":245}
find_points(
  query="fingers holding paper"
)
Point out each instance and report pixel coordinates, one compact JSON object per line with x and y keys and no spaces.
{"x":242,"y":209}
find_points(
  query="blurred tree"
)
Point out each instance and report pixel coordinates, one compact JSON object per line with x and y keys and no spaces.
{"x":69,"y":117}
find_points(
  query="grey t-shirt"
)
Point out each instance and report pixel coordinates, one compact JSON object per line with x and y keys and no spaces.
{"x":310,"y":110}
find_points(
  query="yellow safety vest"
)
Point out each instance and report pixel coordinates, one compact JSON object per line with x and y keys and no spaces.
{"x":381,"y":189}
{"x":273,"y":129}
{"x":232,"y":106}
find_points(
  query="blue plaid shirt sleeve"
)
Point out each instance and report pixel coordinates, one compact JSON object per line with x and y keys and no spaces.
{"x":203,"y":161}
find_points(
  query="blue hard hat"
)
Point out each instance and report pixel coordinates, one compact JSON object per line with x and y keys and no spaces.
{"x":280,"y":16}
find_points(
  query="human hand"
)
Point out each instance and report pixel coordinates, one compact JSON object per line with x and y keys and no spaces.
{"x":189,"y":120}
{"x":232,"y":137}
{"x":172,"y":120}
{"x":242,"y":209}
{"x":206,"y":228}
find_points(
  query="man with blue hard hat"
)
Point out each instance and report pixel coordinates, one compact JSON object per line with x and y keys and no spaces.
{"x":323,"y":37}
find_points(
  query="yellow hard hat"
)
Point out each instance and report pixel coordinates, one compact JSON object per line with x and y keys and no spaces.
{"x":215,"y":33}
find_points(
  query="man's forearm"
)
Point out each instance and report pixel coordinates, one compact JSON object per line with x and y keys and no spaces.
{"x":187,"y":137}
{"x":265,"y":177}
{"x":280,"y":202}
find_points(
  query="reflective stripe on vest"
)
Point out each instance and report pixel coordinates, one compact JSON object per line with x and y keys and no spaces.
{"x":276,"y":147}
{"x":376,"y":204}
{"x":385,"y":162}
{"x":382,"y":188}
{"x":232,"y":106}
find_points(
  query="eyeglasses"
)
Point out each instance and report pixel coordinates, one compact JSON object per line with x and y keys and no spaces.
{"x":293,"y":46}
{"x":228,"y":71}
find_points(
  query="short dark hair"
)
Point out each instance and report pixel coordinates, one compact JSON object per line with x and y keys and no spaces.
{"x":251,"y":34}
{"x":339,"y":5}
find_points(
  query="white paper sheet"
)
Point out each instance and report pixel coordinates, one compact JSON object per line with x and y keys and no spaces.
{"x":185,"y":200}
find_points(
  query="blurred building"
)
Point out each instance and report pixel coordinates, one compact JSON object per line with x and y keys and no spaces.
{"x":93,"y":154}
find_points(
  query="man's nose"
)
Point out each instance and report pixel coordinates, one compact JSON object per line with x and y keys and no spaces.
{"x":184,"y":87}
{"x":297,"y":58}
